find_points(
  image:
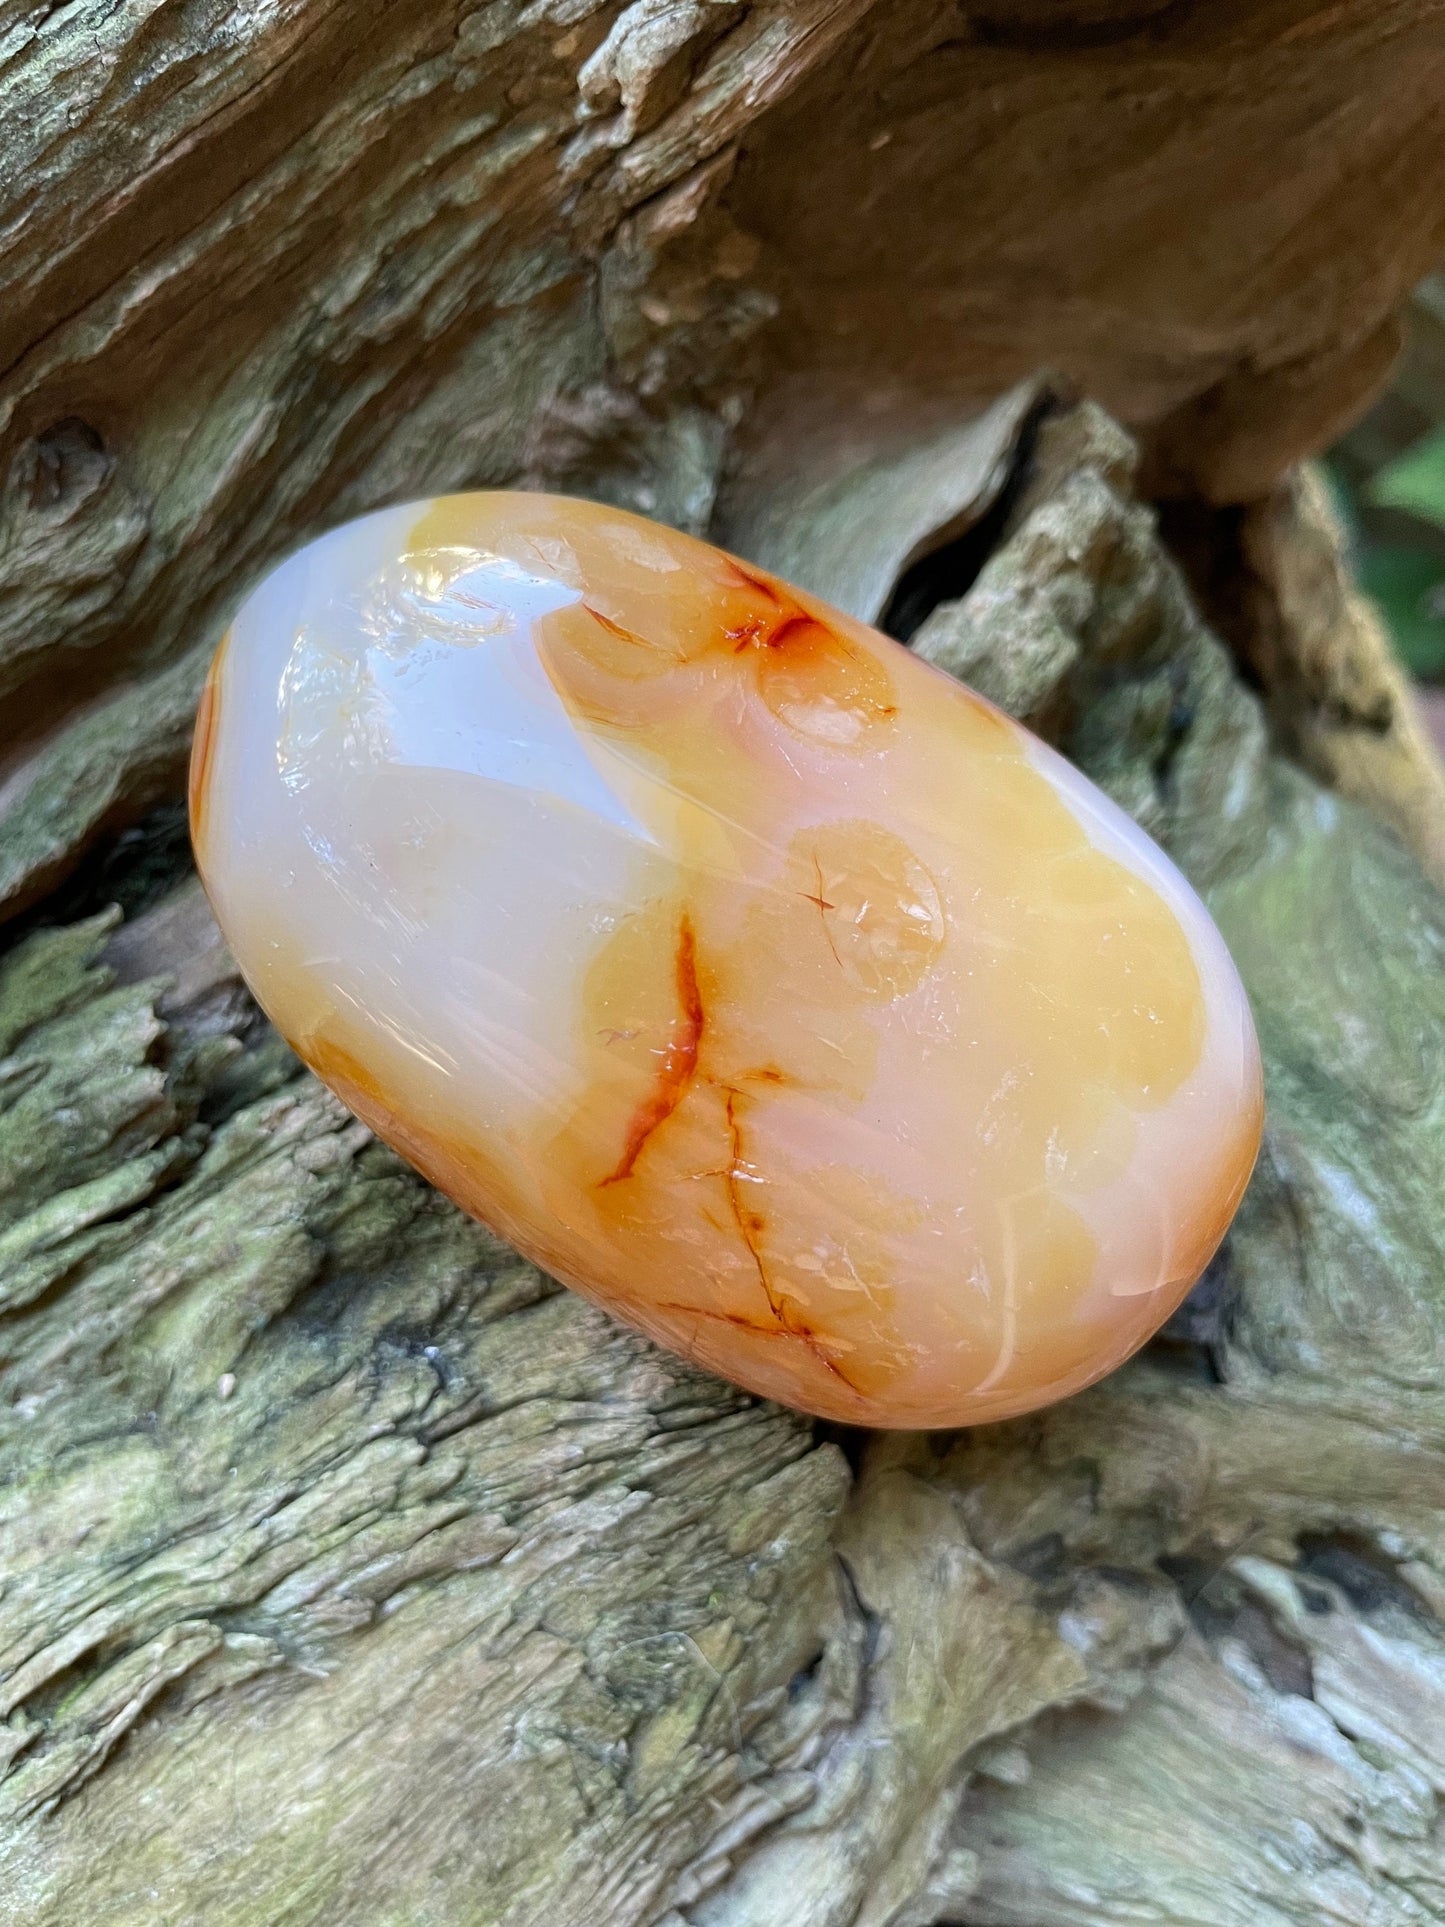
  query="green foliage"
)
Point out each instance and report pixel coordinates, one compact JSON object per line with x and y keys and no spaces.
{"x":1415,"y":481}
{"x":1392,"y":517}
{"x":1408,"y":587}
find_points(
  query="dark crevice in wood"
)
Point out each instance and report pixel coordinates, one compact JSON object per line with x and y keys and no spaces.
{"x":947,"y":573}
{"x":1368,"y":1578}
{"x":1208,"y":545}
{"x":1075,"y":28}
{"x":133,"y":870}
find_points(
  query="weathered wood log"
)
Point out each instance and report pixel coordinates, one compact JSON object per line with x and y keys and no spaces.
{"x":356,"y":1574}
{"x":263,"y":268}
{"x":352,"y":1572}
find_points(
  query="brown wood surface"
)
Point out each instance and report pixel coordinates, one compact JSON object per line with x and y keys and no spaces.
{"x":352,"y":1575}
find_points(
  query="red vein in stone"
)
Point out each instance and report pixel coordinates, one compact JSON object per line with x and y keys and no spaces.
{"x":823,"y":908}
{"x":616,"y":628}
{"x":679,"y":1060}
{"x":733,"y":1318}
{"x":750,"y":1224}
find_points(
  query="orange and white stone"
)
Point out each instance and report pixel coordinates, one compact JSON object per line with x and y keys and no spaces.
{"x":750,"y":975}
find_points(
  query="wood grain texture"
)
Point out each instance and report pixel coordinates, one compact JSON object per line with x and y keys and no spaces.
{"x":357,"y":1574}
{"x":262,"y":269}
{"x":356,"y":1577}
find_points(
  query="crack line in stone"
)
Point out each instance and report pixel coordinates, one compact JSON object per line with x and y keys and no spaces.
{"x":679,"y":1060}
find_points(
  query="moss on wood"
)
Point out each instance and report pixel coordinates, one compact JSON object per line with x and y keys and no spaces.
{"x":355,"y":1573}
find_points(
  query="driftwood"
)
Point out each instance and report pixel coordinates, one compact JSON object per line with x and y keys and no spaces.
{"x":353,"y":1574}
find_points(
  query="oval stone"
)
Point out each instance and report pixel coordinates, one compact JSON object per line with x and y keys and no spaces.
{"x":748,"y":974}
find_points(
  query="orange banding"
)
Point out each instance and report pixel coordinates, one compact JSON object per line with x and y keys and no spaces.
{"x":755,"y":978}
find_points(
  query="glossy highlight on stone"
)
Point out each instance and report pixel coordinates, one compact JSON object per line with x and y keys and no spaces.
{"x":747,"y":973}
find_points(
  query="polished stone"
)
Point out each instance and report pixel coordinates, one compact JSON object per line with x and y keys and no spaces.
{"x":750,"y":975}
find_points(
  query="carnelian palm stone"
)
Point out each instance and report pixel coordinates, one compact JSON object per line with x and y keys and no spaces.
{"x":753,"y":977}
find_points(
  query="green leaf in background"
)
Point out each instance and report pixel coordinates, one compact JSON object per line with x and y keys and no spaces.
{"x":1404,"y":577}
{"x":1408,"y":587}
{"x":1414,"y":481}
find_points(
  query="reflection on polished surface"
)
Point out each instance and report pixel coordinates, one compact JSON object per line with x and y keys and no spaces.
{"x":750,"y":975}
